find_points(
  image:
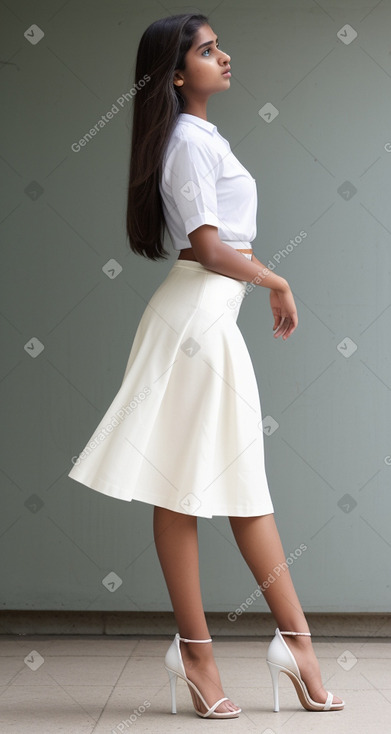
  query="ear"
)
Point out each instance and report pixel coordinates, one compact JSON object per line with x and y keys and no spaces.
{"x":178,"y":79}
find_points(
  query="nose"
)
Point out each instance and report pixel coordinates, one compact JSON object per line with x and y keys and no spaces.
{"x":225,"y":58}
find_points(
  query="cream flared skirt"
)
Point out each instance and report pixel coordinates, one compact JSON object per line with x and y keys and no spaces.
{"x":184,"y":431}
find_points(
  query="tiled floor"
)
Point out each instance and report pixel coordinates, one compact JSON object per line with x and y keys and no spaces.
{"x":110,"y":685}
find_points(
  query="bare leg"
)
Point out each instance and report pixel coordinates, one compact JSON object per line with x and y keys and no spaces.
{"x":259,"y":542}
{"x":176,"y":541}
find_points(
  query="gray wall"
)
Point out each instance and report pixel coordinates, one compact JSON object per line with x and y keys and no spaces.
{"x":323,"y":168}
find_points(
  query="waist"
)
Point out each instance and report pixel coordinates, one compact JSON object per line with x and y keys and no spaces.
{"x":188,"y":254}
{"x":242,"y":246}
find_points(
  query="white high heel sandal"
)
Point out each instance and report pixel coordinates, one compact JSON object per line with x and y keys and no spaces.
{"x":173,"y":663}
{"x":280,"y":659}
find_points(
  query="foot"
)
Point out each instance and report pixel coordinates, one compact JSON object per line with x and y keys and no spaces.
{"x":301,"y":648}
{"x":201,"y":669}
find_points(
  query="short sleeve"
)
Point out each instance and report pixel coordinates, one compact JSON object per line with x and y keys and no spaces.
{"x":193,"y":171}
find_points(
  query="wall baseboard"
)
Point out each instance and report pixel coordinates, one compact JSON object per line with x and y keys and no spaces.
{"x":139,"y":624}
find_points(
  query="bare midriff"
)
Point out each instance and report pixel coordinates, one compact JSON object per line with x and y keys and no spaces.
{"x":188,"y":254}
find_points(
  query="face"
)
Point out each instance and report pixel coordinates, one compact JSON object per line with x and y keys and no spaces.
{"x":206,"y":67}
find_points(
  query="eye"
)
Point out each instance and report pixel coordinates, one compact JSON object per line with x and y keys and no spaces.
{"x":210,"y":49}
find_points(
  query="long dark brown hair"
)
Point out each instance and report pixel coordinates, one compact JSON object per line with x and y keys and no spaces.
{"x":157,"y":104}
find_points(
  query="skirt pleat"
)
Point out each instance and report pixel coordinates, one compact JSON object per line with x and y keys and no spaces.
{"x":184,"y":431}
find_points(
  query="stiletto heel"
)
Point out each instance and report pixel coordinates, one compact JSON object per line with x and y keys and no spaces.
{"x":173,"y":663}
{"x":280,"y":659}
{"x":274,"y":671}
{"x":172,"y":678}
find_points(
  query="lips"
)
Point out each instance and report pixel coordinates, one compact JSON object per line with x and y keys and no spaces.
{"x":227,"y":71}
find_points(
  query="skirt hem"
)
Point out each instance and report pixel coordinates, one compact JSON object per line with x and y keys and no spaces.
{"x":188,"y":508}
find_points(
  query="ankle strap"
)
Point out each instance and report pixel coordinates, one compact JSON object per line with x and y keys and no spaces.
{"x":184,"y":639}
{"x":296,"y":633}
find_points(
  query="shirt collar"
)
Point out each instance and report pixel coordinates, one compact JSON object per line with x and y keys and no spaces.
{"x":197,"y":121}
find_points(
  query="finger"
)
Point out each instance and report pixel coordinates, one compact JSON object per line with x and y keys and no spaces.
{"x":285,"y":328}
{"x":290,"y":331}
{"x":282,"y":328}
{"x":292,"y":327}
{"x":277,"y":319}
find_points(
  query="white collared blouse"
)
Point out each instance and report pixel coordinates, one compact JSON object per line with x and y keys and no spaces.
{"x":202,"y":182}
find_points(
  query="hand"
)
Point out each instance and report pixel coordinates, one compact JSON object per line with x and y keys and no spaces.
{"x":284,"y":311}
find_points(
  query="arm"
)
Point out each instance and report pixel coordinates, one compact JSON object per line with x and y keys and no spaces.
{"x":213,"y":254}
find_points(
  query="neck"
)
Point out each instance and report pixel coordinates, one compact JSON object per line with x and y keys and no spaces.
{"x":198,"y":109}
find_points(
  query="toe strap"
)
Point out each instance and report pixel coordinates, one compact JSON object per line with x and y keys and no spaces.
{"x":329,"y":700}
{"x":215,"y":705}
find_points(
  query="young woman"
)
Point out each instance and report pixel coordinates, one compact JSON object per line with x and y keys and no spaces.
{"x":184,"y":432}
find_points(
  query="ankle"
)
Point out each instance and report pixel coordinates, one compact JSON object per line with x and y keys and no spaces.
{"x":197,"y":653}
{"x":299,"y":641}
